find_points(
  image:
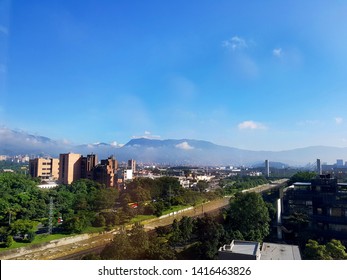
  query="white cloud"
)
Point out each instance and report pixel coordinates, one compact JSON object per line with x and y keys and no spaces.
{"x":240,"y":61}
{"x":338,"y":120}
{"x":184,"y":146}
{"x":251,"y":125}
{"x":277,"y":52}
{"x":235,"y":43}
{"x":115,"y":144}
{"x":147,"y":135}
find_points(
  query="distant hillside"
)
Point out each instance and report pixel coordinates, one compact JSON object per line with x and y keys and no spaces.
{"x":170,"y":151}
{"x":14,"y":142}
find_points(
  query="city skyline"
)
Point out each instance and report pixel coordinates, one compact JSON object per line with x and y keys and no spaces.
{"x":238,"y":73}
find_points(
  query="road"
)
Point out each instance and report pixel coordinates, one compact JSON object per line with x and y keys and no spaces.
{"x":96,"y":243}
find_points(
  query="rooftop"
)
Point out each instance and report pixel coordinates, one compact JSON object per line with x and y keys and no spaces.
{"x":249,"y":248}
{"x":274,"y":251}
{"x":243,"y":250}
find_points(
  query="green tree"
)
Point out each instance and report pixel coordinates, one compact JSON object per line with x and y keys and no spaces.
{"x":175,"y":237}
{"x":315,"y":251}
{"x":119,"y":249}
{"x":99,"y":221}
{"x":303,"y":176}
{"x":105,"y":198}
{"x":9,"y":241}
{"x":159,"y":208}
{"x":75,"y":224}
{"x":333,"y":250}
{"x":22,"y":227}
{"x":202,"y":186}
{"x":210,"y":235}
{"x":186,"y":229}
{"x":336,"y":250}
{"x":159,"y":249}
{"x":139,"y":241}
{"x":249,"y":215}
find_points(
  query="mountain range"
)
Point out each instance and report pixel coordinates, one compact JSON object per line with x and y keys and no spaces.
{"x":171,"y":151}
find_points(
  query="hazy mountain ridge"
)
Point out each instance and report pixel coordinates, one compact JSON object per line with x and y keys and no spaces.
{"x":170,"y":151}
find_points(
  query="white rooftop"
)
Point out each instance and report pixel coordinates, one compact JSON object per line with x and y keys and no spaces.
{"x":274,"y":251}
{"x":242,"y":247}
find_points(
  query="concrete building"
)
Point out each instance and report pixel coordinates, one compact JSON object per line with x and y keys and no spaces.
{"x":323,"y":201}
{"x":132,"y":165}
{"x":104,"y":173}
{"x":69,"y":168}
{"x":319,"y":167}
{"x":240,"y":250}
{"x":127,"y":174}
{"x":267,"y":168}
{"x":250,"y":250}
{"x":44,"y":168}
{"x":48,"y":185}
{"x":3,"y":157}
{"x":338,"y":170}
{"x":339,"y":163}
{"x":88,"y":163}
{"x":277,"y":251}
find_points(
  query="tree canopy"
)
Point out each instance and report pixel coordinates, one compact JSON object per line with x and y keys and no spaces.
{"x":303,"y":176}
{"x":333,"y":250}
{"x":249,"y":215}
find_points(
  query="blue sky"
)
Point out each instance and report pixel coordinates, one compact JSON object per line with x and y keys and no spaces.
{"x":259,"y":75}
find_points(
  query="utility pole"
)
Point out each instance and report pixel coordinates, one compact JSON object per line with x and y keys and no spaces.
{"x":50,"y":219}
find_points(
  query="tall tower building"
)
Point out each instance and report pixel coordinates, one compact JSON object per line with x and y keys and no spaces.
{"x":267,"y":168}
{"x":69,"y":168}
{"x":132,"y":165}
{"x":87,"y":165}
{"x":319,"y":167}
{"x":104,"y":173}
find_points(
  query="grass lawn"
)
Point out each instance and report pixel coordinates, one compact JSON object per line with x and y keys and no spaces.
{"x":42,"y":238}
{"x":141,"y":218}
{"x":93,"y":229}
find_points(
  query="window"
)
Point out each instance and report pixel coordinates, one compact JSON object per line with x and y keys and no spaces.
{"x":336,"y":212}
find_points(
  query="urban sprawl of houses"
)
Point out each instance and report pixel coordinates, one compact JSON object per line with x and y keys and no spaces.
{"x":70,"y":167}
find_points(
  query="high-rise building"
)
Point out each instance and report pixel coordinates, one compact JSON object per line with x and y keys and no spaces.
{"x":267,"y":168}
{"x":319,"y":167}
{"x":104,"y":173}
{"x":323,"y":201}
{"x":69,"y":168}
{"x":44,"y":168}
{"x":87,"y":165}
{"x":132,"y":165}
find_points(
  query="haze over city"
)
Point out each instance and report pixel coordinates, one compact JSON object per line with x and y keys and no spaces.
{"x":245,"y":74}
